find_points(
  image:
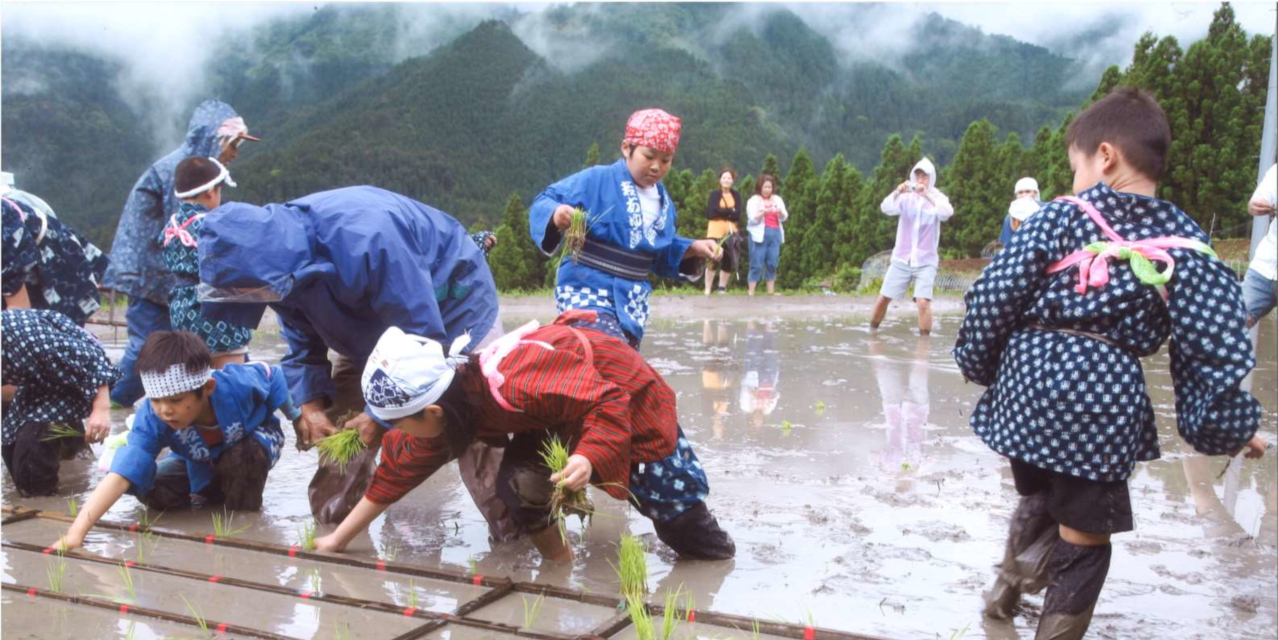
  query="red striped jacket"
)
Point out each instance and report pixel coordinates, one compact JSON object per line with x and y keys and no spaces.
{"x":592,"y":389}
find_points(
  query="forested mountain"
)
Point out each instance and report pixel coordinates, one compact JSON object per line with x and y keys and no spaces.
{"x":357,"y":94}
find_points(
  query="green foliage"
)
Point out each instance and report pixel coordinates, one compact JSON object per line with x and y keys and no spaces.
{"x":515,"y":262}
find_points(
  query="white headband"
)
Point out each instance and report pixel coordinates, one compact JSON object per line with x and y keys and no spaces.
{"x":222,"y":176}
{"x":405,"y":373}
{"x":176,"y":381}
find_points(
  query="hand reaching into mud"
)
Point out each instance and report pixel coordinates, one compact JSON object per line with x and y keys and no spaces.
{"x":330,"y":543}
{"x":67,"y":543}
{"x":1254,"y":449}
{"x":576,"y":474}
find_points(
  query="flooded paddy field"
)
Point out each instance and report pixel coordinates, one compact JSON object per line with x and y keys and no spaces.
{"x":840,"y":460}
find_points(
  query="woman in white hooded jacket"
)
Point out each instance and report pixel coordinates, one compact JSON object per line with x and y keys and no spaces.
{"x":921,"y":208}
{"x":765,"y":213}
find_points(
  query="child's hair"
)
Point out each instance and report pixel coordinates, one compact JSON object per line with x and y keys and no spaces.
{"x":163,"y":349}
{"x":192,"y":172}
{"x":1131,"y":120}
{"x":765,"y":177}
{"x":458,"y":405}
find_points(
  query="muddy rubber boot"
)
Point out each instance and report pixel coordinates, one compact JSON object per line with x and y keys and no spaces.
{"x":33,"y":461}
{"x":241,"y":472}
{"x":1078,"y":573}
{"x":695,"y":534}
{"x":1030,"y":538}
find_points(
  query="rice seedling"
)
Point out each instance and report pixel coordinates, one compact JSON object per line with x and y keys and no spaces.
{"x":340,"y":448}
{"x":127,"y":579}
{"x":820,"y":407}
{"x":632,"y":567}
{"x":56,"y":569}
{"x":640,"y":619}
{"x":306,"y":535}
{"x":131,"y":632}
{"x":960,"y":633}
{"x":56,"y":431}
{"x":412,"y":594}
{"x":563,"y":502}
{"x":223,"y":526}
{"x":786,"y":428}
{"x":145,"y":542}
{"x":754,"y":629}
{"x":575,"y":234}
{"x":670,"y":615}
{"x":532,"y":611}
{"x":473,"y":565}
{"x":315,"y":580}
{"x":146,"y":522}
{"x":198,"y":616}
{"x":73,"y":507}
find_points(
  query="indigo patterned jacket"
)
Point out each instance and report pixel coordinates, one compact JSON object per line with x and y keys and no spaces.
{"x":1078,"y":405}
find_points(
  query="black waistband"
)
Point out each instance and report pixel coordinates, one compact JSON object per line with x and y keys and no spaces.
{"x":615,"y":260}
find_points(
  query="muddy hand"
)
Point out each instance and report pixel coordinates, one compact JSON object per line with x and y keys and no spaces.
{"x":576,"y":474}
{"x":369,"y":431}
{"x":313,"y":426}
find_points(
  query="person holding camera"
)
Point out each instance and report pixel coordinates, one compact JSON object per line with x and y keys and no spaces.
{"x":921,"y":208}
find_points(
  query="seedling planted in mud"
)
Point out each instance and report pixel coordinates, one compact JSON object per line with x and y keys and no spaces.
{"x":145,"y":542}
{"x":146,"y":522}
{"x":56,"y":569}
{"x":532,"y":611}
{"x":473,"y":565}
{"x":73,"y":507}
{"x":563,"y":502}
{"x":786,"y":428}
{"x":820,"y":407}
{"x":316,"y":580}
{"x":126,"y":579}
{"x":641,"y":619}
{"x":412,"y":594}
{"x":670,"y":614}
{"x":340,"y":448}
{"x":632,"y":567}
{"x":342,"y":631}
{"x":55,"y":431}
{"x":223,"y":526}
{"x":306,"y":535}
{"x":198,"y":616}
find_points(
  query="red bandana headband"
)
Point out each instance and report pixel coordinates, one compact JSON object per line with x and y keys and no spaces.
{"x":655,"y":129}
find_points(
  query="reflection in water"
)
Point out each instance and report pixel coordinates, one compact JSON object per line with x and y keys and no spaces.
{"x":759,"y":394}
{"x":903,"y":391}
{"x":719,"y":373}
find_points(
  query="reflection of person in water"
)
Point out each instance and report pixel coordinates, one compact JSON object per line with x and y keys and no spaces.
{"x":718,"y":374}
{"x":905,"y":406}
{"x":759,"y":393}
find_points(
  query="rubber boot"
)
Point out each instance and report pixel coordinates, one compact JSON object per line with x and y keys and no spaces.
{"x":1078,"y":573}
{"x":32,"y":460}
{"x":241,"y":473}
{"x":1030,"y":538}
{"x":695,"y":534}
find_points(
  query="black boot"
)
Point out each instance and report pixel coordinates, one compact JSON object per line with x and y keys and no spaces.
{"x":1030,"y":538}
{"x":1078,"y":573}
{"x":242,"y":473}
{"x":33,"y":460}
{"x":696,"y":534}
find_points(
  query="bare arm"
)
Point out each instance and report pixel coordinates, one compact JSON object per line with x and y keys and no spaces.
{"x":360,"y":517}
{"x":104,"y":496}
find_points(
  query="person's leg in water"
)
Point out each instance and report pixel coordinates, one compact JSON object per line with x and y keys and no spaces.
{"x":1031,"y":534}
{"x":924,"y":279}
{"x":671,"y":492}
{"x":1079,"y":565}
{"x":523,"y":485}
{"x":142,"y":317}
{"x":771,"y":257}
{"x":172,"y":488}
{"x":33,"y":461}
{"x":757,"y":250}
{"x":925,"y":316}
{"x":710,"y":270}
{"x":896,"y":283}
{"x":241,"y":475}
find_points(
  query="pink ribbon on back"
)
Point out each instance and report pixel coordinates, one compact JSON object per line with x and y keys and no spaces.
{"x":1093,"y":268}
{"x":493,"y":354}
{"x":175,"y":230}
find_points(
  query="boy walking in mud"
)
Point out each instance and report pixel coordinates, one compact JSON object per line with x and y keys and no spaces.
{"x":1055,"y":328}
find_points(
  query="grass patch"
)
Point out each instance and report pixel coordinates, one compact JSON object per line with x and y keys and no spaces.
{"x":340,"y":448}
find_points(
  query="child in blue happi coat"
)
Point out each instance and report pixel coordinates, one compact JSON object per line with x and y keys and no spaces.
{"x":1056,"y":326}
{"x":630,"y":229}
{"x":219,"y":425}
{"x":198,"y":182}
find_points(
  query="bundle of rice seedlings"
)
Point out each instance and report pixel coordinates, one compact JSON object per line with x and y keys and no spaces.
{"x":563,"y":502}
{"x":670,"y":615}
{"x":340,"y":448}
{"x":640,"y":619}
{"x":223,"y":527}
{"x":632,"y":567}
{"x":55,"y":431}
{"x":575,"y":234}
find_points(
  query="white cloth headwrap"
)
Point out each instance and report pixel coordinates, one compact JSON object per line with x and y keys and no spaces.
{"x":222,"y":176}
{"x":176,"y":381}
{"x":1023,"y":208}
{"x":1026,"y":184}
{"x":406,"y":373}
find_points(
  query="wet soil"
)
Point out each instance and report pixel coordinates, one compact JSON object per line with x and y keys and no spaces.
{"x":842,"y":463}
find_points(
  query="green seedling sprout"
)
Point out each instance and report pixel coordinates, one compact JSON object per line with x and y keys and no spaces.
{"x":132,"y":631}
{"x":127,"y":579}
{"x":632,"y":567}
{"x":473,"y":565}
{"x":223,"y":524}
{"x":670,"y":614}
{"x":56,"y":431}
{"x":316,"y":580}
{"x":820,"y":407}
{"x":754,"y":629}
{"x":786,"y":428}
{"x":575,"y":234}
{"x":145,"y":542}
{"x":959,"y":634}
{"x":55,"y":571}
{"x":532,"y":611}
{"x":198,"y":616}
{"x":73,"y":507}
{"x":340,"y":448}
{"x":146,"y":522}
{"x":640,"y":619}
{"x":306,"y":535}
{"x":563,"y":502}
{"x":412,"y":594}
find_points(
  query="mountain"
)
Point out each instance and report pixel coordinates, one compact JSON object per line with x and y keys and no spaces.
{"x":349,"y":95}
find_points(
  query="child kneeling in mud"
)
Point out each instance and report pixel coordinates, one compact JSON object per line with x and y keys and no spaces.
{"x":614,"y":412}
{"x":219,"y":425}
{"x":1059,"y":349}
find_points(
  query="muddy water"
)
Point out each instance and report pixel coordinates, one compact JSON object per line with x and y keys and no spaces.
{"x":843,"y":465}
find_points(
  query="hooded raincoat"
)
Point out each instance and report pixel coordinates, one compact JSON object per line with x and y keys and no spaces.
{"x":137,"y":260}
{"x":351,"y":263}
{"x":918,"y":233}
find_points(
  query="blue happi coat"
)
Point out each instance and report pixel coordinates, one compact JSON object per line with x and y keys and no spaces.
{"x":244,"y":400}
{"x":608,"y":195}
{"x":361,"y":260}
{"x":137,"y":260}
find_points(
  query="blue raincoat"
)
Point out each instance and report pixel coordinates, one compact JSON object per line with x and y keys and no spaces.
{"x":137,"y":260}
{"x":608,"y":195}
{"x":360,"y":260}
{"x":244,"y":400}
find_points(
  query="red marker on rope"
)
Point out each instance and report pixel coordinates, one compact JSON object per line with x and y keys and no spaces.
{"x":408,"y":613}
{"x":477,"y":579}
{"x":210,"y":538}
{"x":133,"y":528}
{"x":31,"y":592}
{"x":215,"y":578}
{"x":809,"y":633}
{"x":306,"y":595}
{"x":129,"y":563}
{"x":381,"y":565}
{"x":47,"y":550}
{"x":692,"y":615}
{"x":124,"y":609}
{"x":221,"y":627}
{"x":292,"y":551}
